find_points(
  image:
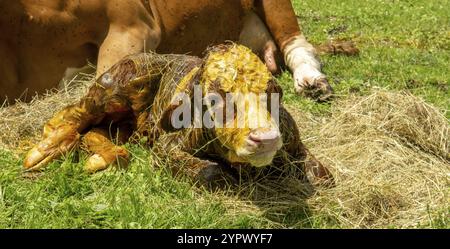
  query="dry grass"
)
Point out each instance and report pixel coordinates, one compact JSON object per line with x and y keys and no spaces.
{"x":390,"y":155}
{"x":22,"y":123}
{"x":389,"y":152}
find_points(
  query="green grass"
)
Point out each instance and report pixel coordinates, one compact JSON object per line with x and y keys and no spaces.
{"x":141,"y":197}
{"x":404,"y":45}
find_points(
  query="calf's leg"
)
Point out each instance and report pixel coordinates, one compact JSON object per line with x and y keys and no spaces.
{"x":297,"y":153}
{"x":104,"y":152}
{"x":203,"y":172}
{"x":62,"y":133}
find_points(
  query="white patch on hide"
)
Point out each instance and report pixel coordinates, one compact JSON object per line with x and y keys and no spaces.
{"x":300,"y":57}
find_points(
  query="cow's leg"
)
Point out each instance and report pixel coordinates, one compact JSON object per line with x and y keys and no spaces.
{"x":120,"y":43}
{"x":300,"y":57}
{"x":103,"y":151}
{"x":256,"y":36}
{"x":298,"y":53}
{"x":10,"y":88}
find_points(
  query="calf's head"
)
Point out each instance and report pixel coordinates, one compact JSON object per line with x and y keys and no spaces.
{"x":233,"y":98}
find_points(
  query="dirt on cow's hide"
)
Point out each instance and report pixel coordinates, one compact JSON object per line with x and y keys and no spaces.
{"x":338,"y":47}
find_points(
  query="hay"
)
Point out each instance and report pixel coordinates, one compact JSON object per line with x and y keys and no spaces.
{"x":21,"y":124}
{"x":390,"y":154}
{"x":388,"y":151}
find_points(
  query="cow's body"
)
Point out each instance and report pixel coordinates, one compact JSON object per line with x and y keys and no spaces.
{"x":42,"y":38}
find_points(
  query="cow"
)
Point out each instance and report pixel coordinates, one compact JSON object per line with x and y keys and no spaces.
{"x":140,"y":97}
{"x":43,"y":40}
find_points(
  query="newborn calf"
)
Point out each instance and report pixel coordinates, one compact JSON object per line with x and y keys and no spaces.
{"x":210,"y":117}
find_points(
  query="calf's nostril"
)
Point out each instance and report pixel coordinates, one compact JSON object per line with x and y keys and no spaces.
{"x":255,"y":138}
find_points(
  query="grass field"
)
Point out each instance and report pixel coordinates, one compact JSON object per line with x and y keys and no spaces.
{"x":405,"y":47}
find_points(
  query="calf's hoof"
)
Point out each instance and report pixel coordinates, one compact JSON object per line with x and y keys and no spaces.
{"x":318,"y":175}
{"x":98,"y":162}
{"x":57,"y":143}
{"x":216,"y":175}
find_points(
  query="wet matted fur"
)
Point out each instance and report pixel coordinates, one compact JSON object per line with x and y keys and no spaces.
{"x":138,"y":96}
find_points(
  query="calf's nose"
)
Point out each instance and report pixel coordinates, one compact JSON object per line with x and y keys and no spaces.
{"x":264,"y":137}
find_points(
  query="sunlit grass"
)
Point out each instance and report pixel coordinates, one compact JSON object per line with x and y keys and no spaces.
{"x":404,"y":46}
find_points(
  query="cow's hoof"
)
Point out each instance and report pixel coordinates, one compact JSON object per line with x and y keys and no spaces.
{"x":319,"y":90}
